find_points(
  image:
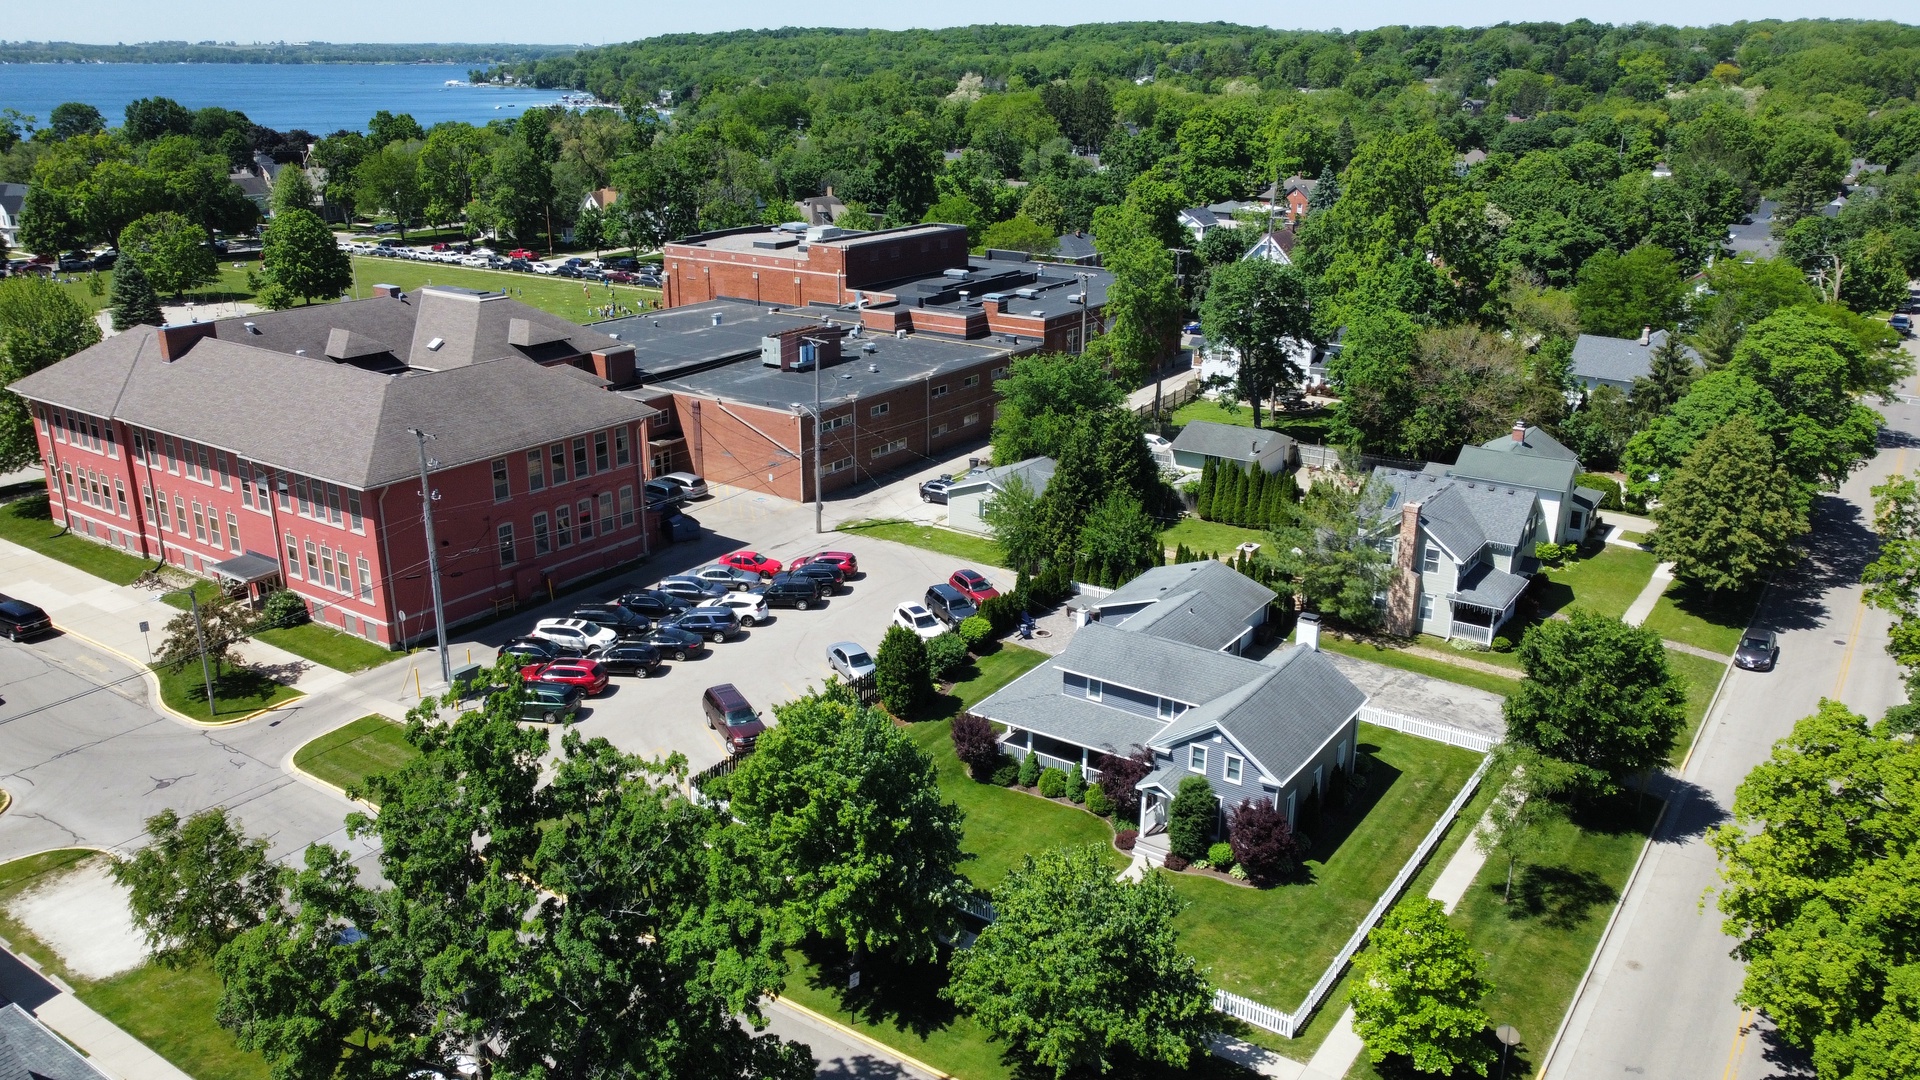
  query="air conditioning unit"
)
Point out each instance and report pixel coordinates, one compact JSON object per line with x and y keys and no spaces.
{"x":899,"y":335}
{"x":869,"y":348}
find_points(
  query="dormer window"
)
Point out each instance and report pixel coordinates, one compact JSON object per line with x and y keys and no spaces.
{"x":1094,"y":689}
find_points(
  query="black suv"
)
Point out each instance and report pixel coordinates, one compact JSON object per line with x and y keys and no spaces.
{"x":675,"y":642}
{"x":830,"y":577}
{"x":789,"y":590}
{"x":532,"y":650}
{"x":20,"y":620}
{"x":949,"y":604}
{"x":716,"y":624}
{"x":549,"y":703}
{"x":654,"y":604}
{"x":623,"y":621}
{"x":640,"y":658}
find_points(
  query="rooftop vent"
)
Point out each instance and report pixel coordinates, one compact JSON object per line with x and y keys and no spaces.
{"x":954,"y":273}
{"x":873,"y":367}
{"x":1026,"y":294}
{"x":718,"y":317}
{"x":869,"y":347}
{"x":434,"y":345}
{"x":1037,"y":313}
{"x":251,"y":329}
{"x":299,"y":352}
{"x":900,"y":335}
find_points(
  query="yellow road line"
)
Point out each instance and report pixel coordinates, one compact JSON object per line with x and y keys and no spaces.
{"x":1739,"y":1048}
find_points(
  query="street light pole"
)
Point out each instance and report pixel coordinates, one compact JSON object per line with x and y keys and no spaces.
{"x":819,"y":507}
{"x":433,"y":558}
{"x":1083,"y":276}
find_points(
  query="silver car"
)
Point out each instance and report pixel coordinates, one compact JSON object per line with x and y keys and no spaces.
{"x":729,"y":577}
{"x":850,"y":660}
{"x":691,"y":589}
{"x":691,"y":483}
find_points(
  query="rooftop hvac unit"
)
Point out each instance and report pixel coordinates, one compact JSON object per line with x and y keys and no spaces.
{"x":1076,"y":298}
{"x":717,"y":316}
{"x":991,"y":296}
{"x":1026,"y":294}
{"x":899,"y":335}
{"x":955,"y":273}
{"x":869,"y":347}
{"x":873,"y":367}
{"x":1037,"y":313}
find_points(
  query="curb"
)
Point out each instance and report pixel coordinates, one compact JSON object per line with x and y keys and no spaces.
{"x":843,"y":1029}
{"x":159,"y":701}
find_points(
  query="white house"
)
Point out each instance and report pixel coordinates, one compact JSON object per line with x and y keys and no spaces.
{"x":12,"y":198}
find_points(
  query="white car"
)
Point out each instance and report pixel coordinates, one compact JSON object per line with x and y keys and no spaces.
{"x":751,"y":607}
{"x":546,"y":268}
{"x":850,"y":660}
{"x":576,"y":635}
{"x":1156,"y":444}
{"x":919,"y":620}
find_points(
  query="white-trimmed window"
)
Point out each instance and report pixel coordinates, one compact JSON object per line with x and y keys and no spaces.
{"x":939,"y":391}
{"x":1095,"y":689}
{"x":1197,"y":759}
{"x":939,"y":430}
{"x":366,"y":577}
{"x":505,"y":535}
{"x":586,"y":520}
{"x":293,"y":555}
{"x":233,"y":531}
{"x":1230,"y":767}
{"x":600,"y":459}
{"x":542,"y":541}
{"x":626,"y":505}
{"x":997,"y":374}
{"x":557,"y":458}
{"x":1430,"y":558}
{"x":502,"y":488}
{"x":1426,"y":605}
{"x":834,"y":423}
{"x":622,"y":453}
{"x":536,"y":470}
{"x":884,"y":449}
{"x":579,"y":457}
{"x":881,"y":409}
{"x":970,"y":381}
{"x":606,"y":512}
{"x":563,"y":525}
{"x":970,"y":419}
{"x":839,"y":465}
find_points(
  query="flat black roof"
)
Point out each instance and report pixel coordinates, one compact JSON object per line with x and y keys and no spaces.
{"x":684,"y":339}
{"x":1048,"y":285}
{"x":892,"y":364}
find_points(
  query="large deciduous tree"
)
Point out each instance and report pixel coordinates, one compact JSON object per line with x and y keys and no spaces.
{"x":1373,"y":371}
{"x":171,"y":250}
{"x":1079,"y":971}
{"x":1730,"y":515}
{"x":40,"y":324}
{"x":1620,"y":294}
{"x":1417,"y":991}
{"x":196,"y":885}
{"x":1043,"y":400}
{"x":1818,"y":867}
{"x":1892,"y":579}
{"x":840,"y":815}
{"x":301,"y":260}
{"x":1598,"y":697}
{"x":1260,"y":310}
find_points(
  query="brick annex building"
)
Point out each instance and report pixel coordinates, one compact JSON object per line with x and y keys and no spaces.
{"x":278,"y":449}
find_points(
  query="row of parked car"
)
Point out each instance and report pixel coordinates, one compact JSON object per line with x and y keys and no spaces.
{"x":568,"y":659}
{"x":622,"y":271}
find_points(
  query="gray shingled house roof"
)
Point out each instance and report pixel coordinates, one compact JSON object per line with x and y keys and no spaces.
{"x":1279,"y":711}
{"x":12,"y":198}
{"x":28,"y":1051}
{"x":1538,"y":460}
{"x":1205,"y":603}
{"x":1617,"y":361}
{"x":1483,"y":586}
{"x":1199,"y":215}
{"x":252,"y":395}
{"x":1463,"y":515}
{"x":1230,"y":442}
{"x":1035,"y":472}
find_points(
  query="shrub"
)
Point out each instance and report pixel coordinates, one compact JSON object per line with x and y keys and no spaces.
{"x":1077,"y":784}
{"x":1190,"y":819}
{"x":1238,"y":873}
{"x":1607,"y":486}
{"x":900,"y":672}
{"x":283,"y":607}
{"x":1002,"y":614}
{"x":1005,"y":773}
{"x":975,"y":745}
{"x":1097,"y":801}
{"x":975,"y":631}
{"x":1118,"y":775}
{"x":1501,"y":644}
{"x":1125,"y":838}
{"x":1176,"y":864}
{"x":1200,"y":864}
{"x":1262,"y":842}
{"x":1221,"y":854}
{"x":946,"y":655}
{"x":1053,"y":783}
{"x":1030,"y":769}
{"x":1553,"y":554}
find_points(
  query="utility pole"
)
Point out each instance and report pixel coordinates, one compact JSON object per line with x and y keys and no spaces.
{"x":1083,"y":309}
{"x":200,"y":634}
{"x":433,"y":557}
{"x":819,"y":508}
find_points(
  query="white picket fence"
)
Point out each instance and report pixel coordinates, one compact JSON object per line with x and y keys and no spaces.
{"x":1284,"y":1023}
{"x":1428,"y":729}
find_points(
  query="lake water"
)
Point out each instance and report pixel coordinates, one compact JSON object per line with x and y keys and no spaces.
{"x":321,"y":98}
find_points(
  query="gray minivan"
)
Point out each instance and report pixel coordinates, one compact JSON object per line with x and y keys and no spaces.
{"x":729,"y":715}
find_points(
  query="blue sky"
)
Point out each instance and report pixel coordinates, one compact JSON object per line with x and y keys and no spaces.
{"x":521,"y":21}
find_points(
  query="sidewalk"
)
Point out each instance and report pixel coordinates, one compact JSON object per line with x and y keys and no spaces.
{"x":108,"y":616}
{"x":1642,"y":605}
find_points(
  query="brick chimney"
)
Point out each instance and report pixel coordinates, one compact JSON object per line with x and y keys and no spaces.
{"x":1403,"y":592}
{"x":175,"y":340}
{"x":1519,"y":431}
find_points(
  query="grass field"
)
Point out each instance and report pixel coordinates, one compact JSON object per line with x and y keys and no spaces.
{"x":346,"y":756}
{"x":329,"y":647}
{"x":984,"y":675}
{"x":29,"y":523}
{"x":963,"y":546}
{"x":231,"y":285}
{"x":1211,"y":537}
{"x":1272,"y":944}
{"x":1482,"y":680}
{"x":1607,"y":582}
{"x":1703,"y":678}
{"x":561,"y":296}
{"x":169,"y":1010}
{"x":237,"y":692}
{"x":1702,"y":619}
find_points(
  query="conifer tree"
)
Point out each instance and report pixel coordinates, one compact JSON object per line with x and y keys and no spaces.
{"x":132,"y":301}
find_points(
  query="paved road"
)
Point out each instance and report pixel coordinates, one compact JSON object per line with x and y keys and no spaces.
{"x":1661,"y":999}
{"x":840,"y":1056}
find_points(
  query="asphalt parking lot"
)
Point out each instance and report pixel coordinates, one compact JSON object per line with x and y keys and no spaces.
{"x":772,"y":663}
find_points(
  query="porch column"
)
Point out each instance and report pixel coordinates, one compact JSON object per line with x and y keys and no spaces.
{"x":1083,"y":760}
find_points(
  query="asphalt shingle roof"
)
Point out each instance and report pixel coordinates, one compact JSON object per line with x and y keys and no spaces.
{"x":29,"y":1050}
{"x":1489,"y":588}
{"x":1462,"y":514}
{"x":1034,"y":702}
{"x":1035,"y":472}
{"x":1618,"y":360}
{"x":1230,"y":441}
{"x":1205,"y":603}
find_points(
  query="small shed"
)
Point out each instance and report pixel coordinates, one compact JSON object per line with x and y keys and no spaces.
{"x":1203,"y":439}
{"x":967,"y":498}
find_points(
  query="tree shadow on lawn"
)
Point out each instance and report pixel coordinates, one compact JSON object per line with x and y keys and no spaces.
{"x":1557,"y":897}
{"x":233,"y":686}
{"x":1519,"y":1062}
{"x":906,"y":995}
{"x":1333,"y":825}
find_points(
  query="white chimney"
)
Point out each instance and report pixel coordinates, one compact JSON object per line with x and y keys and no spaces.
{"x":1307,"y":631}
{"x":1646,"y":335}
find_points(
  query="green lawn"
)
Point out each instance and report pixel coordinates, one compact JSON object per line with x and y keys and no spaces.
{"x":171,"y":1011}
{"x":231,"y":285}
{"x":1633,"y":537}
{"x":1607,"y":582}
{"x":1703,"y":678}
{"x":1272,"y":944}
{"x":1309,"y":426}
{"x":346,"y":756}
{"x":1439,"y":669}
{"x":329,"y":647}
{"x":1211,"y":537}
{"x":1702,"y":619}
{"x":902,"y":1012}
{"x":963,"y":546}
{"x":237,"y":691}
{"x":986,"y":674}
{"x":561,"y":296}
{"x":28,"y":522}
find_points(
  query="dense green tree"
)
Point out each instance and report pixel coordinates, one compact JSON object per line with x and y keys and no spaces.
{"x":1621,"y":294}
{"x":1260,"y":310}
{"x":339,"y":155}
{"x":1892,"y":579}
{"x":1730,"y":515}
{"x":1019,"y":233}
{"x":385,"y":129}
{"x":1079,"y":971}
{"x":150,"y":118}
{"x":1019,"y":524}
{"x":75,"y":118}
{"x":1672,"y":369}
{"x":1813,"y":370}
{"x":1329,"y":545}
{"x":1373,"y":371}
{"x":187,"y":180}
{"x":1816,"y":864}
{"x":172,"y":252}
{"x":1043,"y":400}
{"x":901,"y":674}
{"x":453,"y":168}
{"x":301,"y":260}
{"x":196,"y":885}
{"x":388,"y":180}
{"x":1599,"y":428}
{"x":841,"y":816}
{"x":1417,"y":990}
{"x":40,"y":324}
{"x":1143,"y":309}
{"x":132,"y":302}
{"x":292,"y":190}
{"x":1104,"y":456}
{"x":1192,"y":817}
{"x":1119,"y":539}
{"x":1598,"y":697}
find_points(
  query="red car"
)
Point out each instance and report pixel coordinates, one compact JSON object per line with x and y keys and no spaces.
{"x":441,"y":246}
{"x":843,"y":559}
{"x":973,"y":586}
{"x":588,"y":675}
{"x":618,"y":277}
{"x":752,"y":560}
